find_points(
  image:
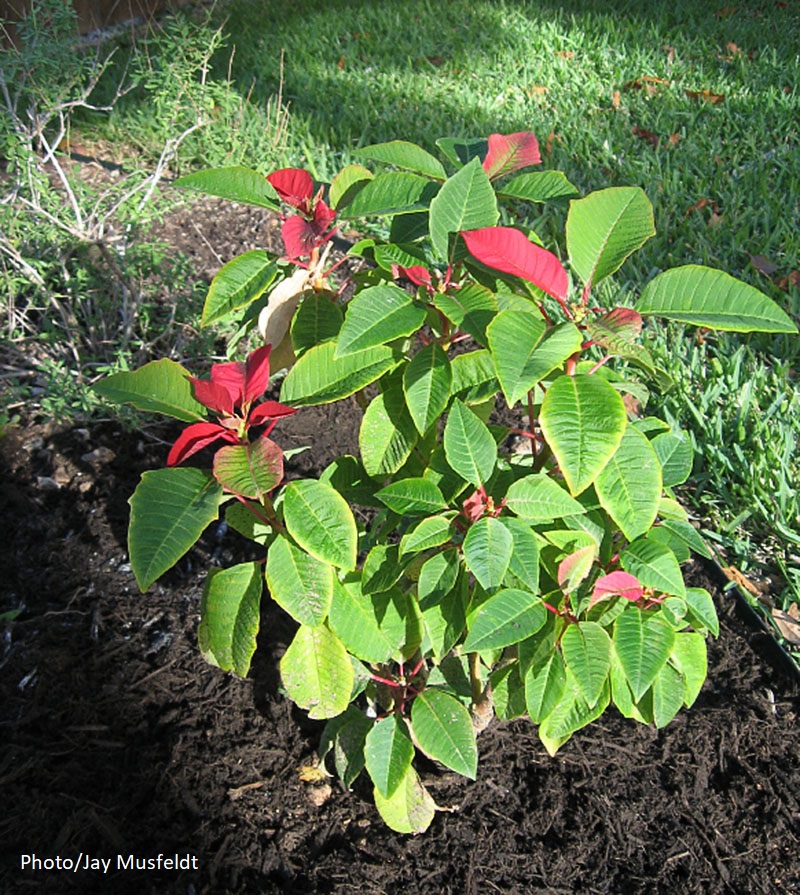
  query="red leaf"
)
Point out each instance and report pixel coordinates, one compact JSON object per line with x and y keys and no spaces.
{"x":474,"y":507}
{"x":214,"y":395}
{"x":256,"y":376}
{"x":269,"y":410}
{"x":509,"y":251}
{"x":323,"y":216}
{"x":617,"y":584}
{"x":625,"y":322}
{"x":194,"y":438}
{"x":299,"y":237}
{"x":230,"y":376}
{"x":510,"y":153}
{"x":293,"y":185}
{"x":418,"y":275}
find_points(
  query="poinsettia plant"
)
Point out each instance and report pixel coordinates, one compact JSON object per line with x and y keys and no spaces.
{"x":489,"y":580}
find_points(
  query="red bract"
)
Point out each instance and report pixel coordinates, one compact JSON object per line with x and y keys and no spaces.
{"x":311,"y":228}
{"x":617,"y":584}
{"x":230,"y":394}
{"x":510,"y":153}
{"x":510,"y":251}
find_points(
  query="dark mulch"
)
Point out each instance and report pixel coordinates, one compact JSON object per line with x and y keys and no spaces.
{"x":119,"y":740}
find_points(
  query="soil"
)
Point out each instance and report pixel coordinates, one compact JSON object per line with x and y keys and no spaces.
{"x":118,"y":739}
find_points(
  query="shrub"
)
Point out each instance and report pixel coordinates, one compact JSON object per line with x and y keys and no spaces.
{"x":487,"y":582}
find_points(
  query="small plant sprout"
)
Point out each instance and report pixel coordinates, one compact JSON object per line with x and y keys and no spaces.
{"x":486,"y":582}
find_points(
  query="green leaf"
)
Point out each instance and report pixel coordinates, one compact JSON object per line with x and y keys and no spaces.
{"x":523,"y":569}
{"x":229,"y":617}
{"x":347,"y":184}
{"x":474,"y":377}
{"x":570,"y":714}
{"x":443,"y":730}
{"x":643,"y":643}
{"x":317,"y":320}
{"x":319,"y":378}
{"x":538,"y":498}
{"x":241,"y":519}
{"x":606,"y":227}
{"x":235,"y":183}
{"x":459,"y":150}
{"x":465,"y":202}
{"x":387,"y":434}
{"x":299,"y":583}
{"x":403,"y":154}
{"x":317,"y":672}
{"x":238,"y":284}
{"x":431,"y":532}
{"x":389,"y":254}
{"x":544,"y":686}
{"x":507,"y":617}
{"x":347,"y":475}
{"x":250,"y":470}
{"x":587,"y":653}
{"x":412,"y":497}
{"x":668,"y":691}
{"x":411,"y":809}
{"x":702,"y":613}
{"x":346,"y":734}
{"x":471,"y":308}
{"x":508,"y":692}
{"x":487,"y":551}
{"x":654,"y":565}
{"x":689,"y":655}
{"x":703,"y":296}
{"x":162,"y":386}
{"x":525,"y":353}
{"x":170,"y":509}
{"x":381,"y":569}
{"x":583,"y":419}
{"x":469,"y":447}
{"x":539,"y":186}
{"x":629,"y":487}
{"x":444,"y":622}
{"x":688,"y":534}
{"x":377,"y":315}
{"x":426,"y":384}
{"x":388,"y":752}
{"x":437,"y":577}
{"x":321,"y":522}
{"x":373,"y":628}
{"x":396,"y":193}
{"x":676,"y":456}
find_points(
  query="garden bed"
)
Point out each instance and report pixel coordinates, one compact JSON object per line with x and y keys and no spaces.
{"x":120,"y":740}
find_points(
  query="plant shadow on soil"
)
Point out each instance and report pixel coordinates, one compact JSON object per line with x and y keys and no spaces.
{"x":118,"y":739}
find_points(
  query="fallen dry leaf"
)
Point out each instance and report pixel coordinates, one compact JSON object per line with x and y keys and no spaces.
{"x":788,"y":624}
{"x":552,"y":137}
{"x":615,"y":99}
{"x":733,"y":574}
{"x":726,"y":11}
{"x":792,"y":280}
{"x":435,"y":61}
{"x":701,"y":203}
{"x":312,"y":773}
{"x":706,"y":96}
{"x":646,"y":135}
{"x":647,"y":83}
{"x":565,"y":54}
{"x":674,"y":139}
{"x":670,"y":51}
{"x":537,"y":90}
{"x":763,"y":265}
{"x":341,"y":62}
{"x":238,"y":791}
